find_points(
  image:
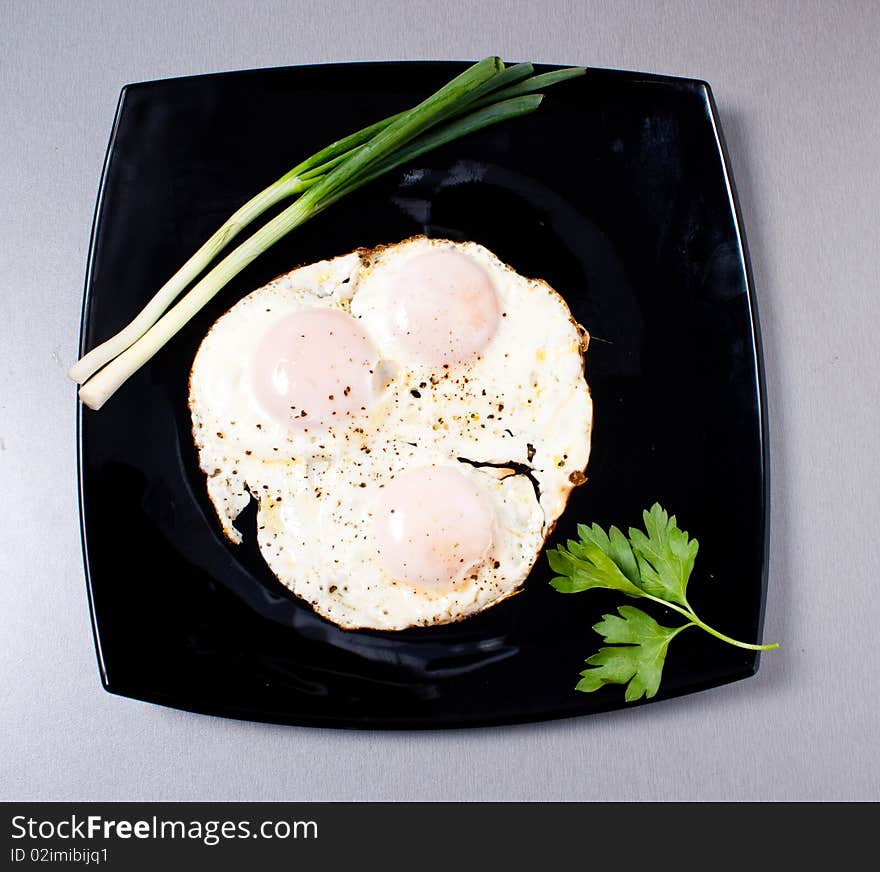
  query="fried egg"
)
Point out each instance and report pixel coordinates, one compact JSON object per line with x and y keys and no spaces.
{"x":410,"y":419}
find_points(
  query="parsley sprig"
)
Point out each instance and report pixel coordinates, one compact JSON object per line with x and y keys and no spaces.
{"x":653,"y":564}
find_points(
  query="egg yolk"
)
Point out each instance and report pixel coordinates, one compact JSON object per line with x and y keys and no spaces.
{"x":442,"y":308}
{"x":432,"y":527}
{"x":314,"y":368}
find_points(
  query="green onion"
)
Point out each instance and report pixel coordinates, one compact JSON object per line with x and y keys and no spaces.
{"x":484,"y":94}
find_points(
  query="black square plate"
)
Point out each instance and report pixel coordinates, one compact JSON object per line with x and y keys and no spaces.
{"x":617,"y":192}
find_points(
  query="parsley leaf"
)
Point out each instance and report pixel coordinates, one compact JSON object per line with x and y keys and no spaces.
{"x":585,"y":565}
{"x":637,"y":656}
{"x":654,"y":564}
{"x":665,"y":556}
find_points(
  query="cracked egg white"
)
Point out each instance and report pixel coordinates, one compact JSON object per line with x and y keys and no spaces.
{"x":411,"y":420}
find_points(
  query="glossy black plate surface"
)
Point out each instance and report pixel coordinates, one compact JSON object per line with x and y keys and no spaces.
{"x":615,"y":192}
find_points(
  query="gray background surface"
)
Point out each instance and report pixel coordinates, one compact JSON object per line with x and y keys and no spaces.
{"x":796,"y":85}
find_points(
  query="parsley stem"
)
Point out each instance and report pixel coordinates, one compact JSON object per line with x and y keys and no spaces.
{"x":689,"y":614}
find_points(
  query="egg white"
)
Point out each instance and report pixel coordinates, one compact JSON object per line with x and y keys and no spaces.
{"x":319,"y":541}
{"x":516,"y":419}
